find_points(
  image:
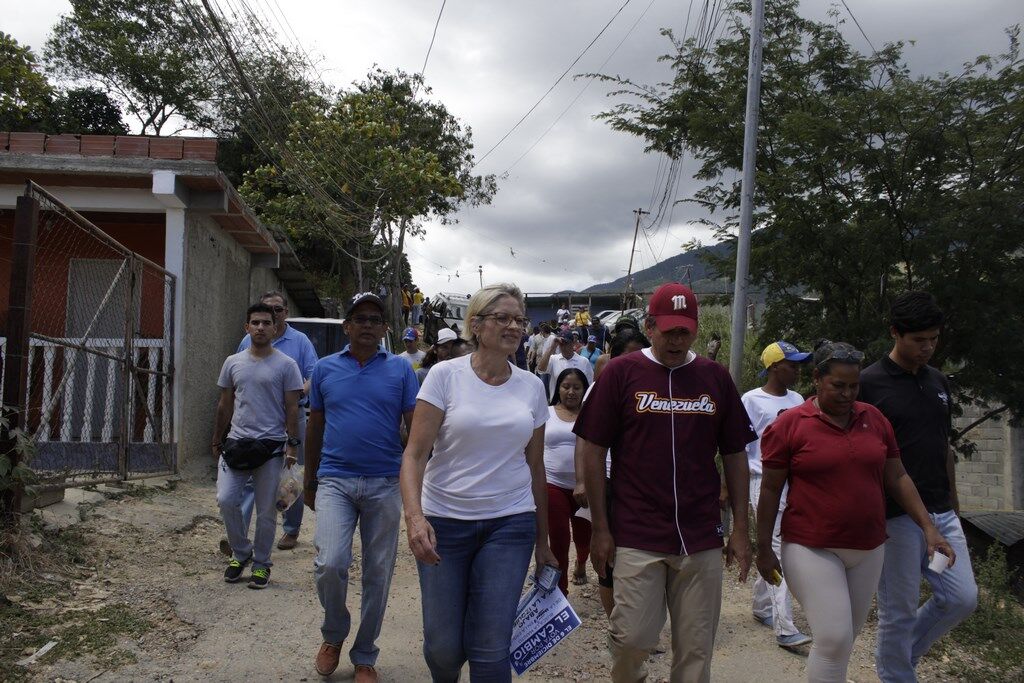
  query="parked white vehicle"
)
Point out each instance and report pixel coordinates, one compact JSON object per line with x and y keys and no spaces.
{"x":634,"y":314}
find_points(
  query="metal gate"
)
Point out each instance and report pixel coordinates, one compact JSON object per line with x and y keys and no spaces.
{"x":100,"y":389}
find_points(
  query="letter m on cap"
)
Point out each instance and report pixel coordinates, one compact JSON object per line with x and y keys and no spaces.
{"x":679,"y":302}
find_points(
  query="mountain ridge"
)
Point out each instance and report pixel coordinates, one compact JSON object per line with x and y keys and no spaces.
{"x":673,"y":269}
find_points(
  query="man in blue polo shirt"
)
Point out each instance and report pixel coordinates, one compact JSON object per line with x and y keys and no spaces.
{"x":299,"y":348}
{"x":353,"y":454}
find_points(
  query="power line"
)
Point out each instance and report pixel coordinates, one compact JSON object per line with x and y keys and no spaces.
{"x":557,"y":81}
{"x":859,"y":27}
{"x":432,"y":37}
{"x":590,"y":79}
{"x":329,"y":206}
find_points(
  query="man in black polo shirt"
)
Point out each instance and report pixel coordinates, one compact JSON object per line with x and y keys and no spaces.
{"x":915,"y":397}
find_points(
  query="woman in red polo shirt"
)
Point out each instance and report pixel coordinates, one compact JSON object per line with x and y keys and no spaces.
{"x":840,"y":458}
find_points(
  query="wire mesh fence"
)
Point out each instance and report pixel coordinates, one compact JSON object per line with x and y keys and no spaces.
{"x":99,"y":396}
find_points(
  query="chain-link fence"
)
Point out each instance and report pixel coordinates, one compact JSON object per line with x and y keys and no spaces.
{"x":98,"y":401}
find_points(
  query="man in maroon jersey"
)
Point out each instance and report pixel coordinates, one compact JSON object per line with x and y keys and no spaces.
{"x":664,"y":413}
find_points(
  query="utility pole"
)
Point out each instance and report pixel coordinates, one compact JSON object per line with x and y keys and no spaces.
{"x":739,"y":300}
{"x":480,"y":269}
{"x":689,"y":280}
{"x":640,"y":213}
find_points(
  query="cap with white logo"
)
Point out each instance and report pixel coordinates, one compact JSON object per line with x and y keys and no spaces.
{"x":364,"y":298}
{"x":673,"y":306}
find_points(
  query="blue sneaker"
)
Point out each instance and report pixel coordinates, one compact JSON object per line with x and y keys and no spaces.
{"x":765,"y":621}
{"x":795,"y":640}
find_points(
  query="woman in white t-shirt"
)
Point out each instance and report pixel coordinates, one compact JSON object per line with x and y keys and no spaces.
{"x":560,"y":467}
{"x":477,"y":511}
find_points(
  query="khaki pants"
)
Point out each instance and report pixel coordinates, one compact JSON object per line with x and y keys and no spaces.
{"x":645,"y":583}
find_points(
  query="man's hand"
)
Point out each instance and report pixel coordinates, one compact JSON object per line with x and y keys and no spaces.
{"x":289,"y":456}
{"x":422,"y":541}
{"x":713,"y":347}
{"x":579,"y":494}
{"x":309,"y":495}
{"x":938,"y":544}
{"x":602,"y":551}
{"x":738,"y":548}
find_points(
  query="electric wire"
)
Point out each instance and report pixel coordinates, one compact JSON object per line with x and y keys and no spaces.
{"x":437,"y":23}
{"x":553,"y":85}
{"x":590,"y":79}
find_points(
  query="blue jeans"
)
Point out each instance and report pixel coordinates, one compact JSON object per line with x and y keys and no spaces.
{"x":906,"y":631}
{"x":230,"y":491}
{"x":292,"y":518}
{"x":374,"y":503}
{"x":470,"y":598}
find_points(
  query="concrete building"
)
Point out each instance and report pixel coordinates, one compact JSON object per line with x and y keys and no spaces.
{"x":165,"y":199}
{"x":993,"y":479}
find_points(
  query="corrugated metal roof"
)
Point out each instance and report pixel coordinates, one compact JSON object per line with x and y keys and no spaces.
{"x":1006,"y":527}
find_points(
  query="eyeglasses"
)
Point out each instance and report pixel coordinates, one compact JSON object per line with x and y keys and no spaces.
{"x":279,"y":309}
{"x":372,"y":320}
{"x":506,"y":320}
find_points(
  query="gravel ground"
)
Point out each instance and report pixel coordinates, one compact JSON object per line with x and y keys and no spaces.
{"x":157,"y":555}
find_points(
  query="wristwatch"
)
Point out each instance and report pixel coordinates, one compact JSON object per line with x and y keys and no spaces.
{"x":292,"y":441}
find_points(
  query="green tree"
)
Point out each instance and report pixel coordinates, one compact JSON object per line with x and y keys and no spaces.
{"x":143,"y":53}
{"x":359,"y":172}
{"x":249,"y":128}
{"x":25,"y":94}
{"x":85,"y":110}
{"x":870,"y":182}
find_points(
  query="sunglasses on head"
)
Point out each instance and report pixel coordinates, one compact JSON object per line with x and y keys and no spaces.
{"x":841,"y":354}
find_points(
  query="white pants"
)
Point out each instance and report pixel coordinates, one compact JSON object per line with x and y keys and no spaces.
{"x":835,"y":587}
{"x":769,"y":600}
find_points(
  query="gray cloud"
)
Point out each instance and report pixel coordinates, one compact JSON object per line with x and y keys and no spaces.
{"x":566,"y":207}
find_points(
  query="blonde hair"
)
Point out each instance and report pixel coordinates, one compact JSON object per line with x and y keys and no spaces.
{"x":483,"y":300}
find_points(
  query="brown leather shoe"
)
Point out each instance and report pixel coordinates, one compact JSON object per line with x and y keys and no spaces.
{"x":365,"y":674}
{"x":287,"y":542}
{"x":327,"y":658}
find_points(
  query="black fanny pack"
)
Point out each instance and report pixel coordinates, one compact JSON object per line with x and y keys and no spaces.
{"x":248,"y":454}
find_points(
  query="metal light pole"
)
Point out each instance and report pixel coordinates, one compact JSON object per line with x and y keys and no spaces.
{"x":739,"y":301}
{"x":480,"y":269}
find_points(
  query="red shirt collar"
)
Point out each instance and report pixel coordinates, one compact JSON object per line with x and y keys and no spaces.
{"x":809,"y":409}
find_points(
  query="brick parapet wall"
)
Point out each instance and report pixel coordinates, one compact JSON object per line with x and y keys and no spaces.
{"x":202,"y":149}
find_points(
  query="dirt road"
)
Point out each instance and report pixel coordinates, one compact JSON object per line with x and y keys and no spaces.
{"x":155,"y":556}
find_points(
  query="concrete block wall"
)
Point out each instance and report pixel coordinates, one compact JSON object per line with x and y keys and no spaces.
{"x":993,"y":479}
{"x":265,"y":280}
{"x":220,"y":283}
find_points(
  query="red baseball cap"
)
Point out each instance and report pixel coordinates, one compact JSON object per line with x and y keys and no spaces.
{"x":673,"y":305}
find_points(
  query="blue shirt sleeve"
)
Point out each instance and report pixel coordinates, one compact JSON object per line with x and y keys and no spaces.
{"x":244,"y":344}
{"x":308,"y":359}
{"x":316,"y":399}
{"x":411,"y":387}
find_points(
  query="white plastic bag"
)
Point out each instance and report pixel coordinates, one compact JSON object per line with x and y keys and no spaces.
{"x":290,"y":488}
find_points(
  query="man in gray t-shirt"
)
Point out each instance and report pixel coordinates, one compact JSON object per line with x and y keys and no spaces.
{"x":259,"y":398}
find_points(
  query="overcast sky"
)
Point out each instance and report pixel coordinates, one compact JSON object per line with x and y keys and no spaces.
{"x":566,"y":207}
